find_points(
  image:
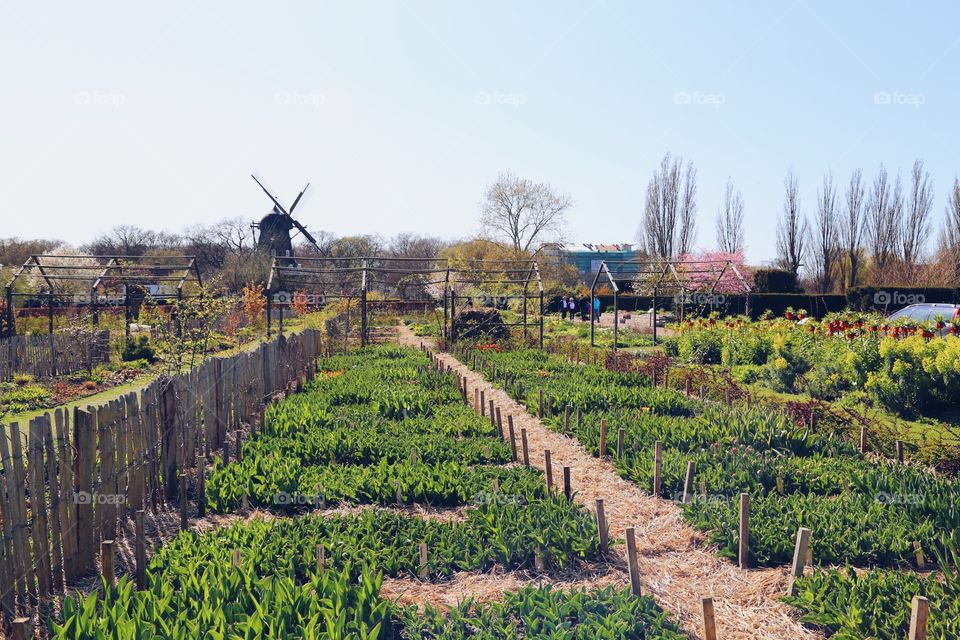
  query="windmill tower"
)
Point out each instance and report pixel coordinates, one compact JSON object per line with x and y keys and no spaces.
{"x":275,"y":238}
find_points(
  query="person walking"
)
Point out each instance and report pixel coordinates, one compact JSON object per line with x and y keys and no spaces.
{"x":596,"y":309}
{"x":563,"y":308}
{"x":572,"y":306}
{"x":585,"y":310}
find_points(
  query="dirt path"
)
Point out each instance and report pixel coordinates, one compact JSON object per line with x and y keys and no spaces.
{"x":676,"y":566}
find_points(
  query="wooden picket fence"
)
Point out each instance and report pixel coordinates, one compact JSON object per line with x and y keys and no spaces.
{"x":69,"y":481}
{"x":49,"y":355}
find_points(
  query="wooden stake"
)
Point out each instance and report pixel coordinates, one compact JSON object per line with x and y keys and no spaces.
{"x":799,"y":559}
{"x":476,"y":399}
{"x":567,"y":491}
{"x":483,"y":403}
{"x":499,"y":425}
{"x":621,"y":436}
{"x":184,"y":522}
{"x":540,"y":403}
{"x":657,"y":468}
{"x":548,"y":469}
{"x":602,"y":526}
{"x":140,"y":551}
{"x":863,"y":439}
{"x":744,"y":530}
{"x":513,"y":437}
{"x":632,"y":561}
{"x":526,"y":450}
{"x":424,"y":568}
{"x":919,"y":610}
{"x":493,"y":414}
{"x":579,"y":418}
{"x":538,"y":559}
{"x":237,"y":558}
{"x":413,"y":455}
{"x":566,"y":419}
{"x":321,"y":558}
{"x":603,"y":438}
{"x":918,"y":554}
{"x":900,"y":451}
{"x":107,"y":561}
{"x":688,"y":481}
{"x":21,"y":629}
{"x":709,"y":619}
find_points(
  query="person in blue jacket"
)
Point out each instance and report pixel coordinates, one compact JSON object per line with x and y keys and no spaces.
{"x":596,"y":308}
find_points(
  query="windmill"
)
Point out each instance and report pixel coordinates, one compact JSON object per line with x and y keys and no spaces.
{"x":275,"y":227}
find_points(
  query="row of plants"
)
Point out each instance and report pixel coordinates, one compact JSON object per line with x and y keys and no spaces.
{"x":230,"y":602}
{"x":876,"y":604}
{"x":862,"y":512}
{"x":319,"y":575}
{"x":908,"y":370}
{"x":379,"y":426}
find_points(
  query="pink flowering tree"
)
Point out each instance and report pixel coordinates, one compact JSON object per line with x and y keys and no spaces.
{"x":698,"y":271}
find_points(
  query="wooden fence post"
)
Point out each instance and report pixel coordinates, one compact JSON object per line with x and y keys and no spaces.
{"x":513,"y":437}
{"x":799,"y":559}
{"x":21,"y":629}
{"x":424,"y":569}
{"x":540,"y":403}
{"x":709,"y":619}
{"x":567,"y":491}
{"x":863,"y":439}
{"x":632,"y":561}
{"x":548,"y":469}
{"x":900,"y":451}
{"x":688,"y":481}
{"x":140,"y":551}
{"x":526,"y":451}
{"x":657,"y":468}
{"x":621,"y":438}
{"x":744,"y":551}
{"x":107,"y":560}
{"x":603,"y":438}
{"x":919,"y":610}
{"x":602,"y":526}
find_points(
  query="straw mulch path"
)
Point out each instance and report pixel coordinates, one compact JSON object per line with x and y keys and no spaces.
{"x":676,"y":565}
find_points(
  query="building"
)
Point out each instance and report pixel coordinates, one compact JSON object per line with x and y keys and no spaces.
{"x":587,"y":257}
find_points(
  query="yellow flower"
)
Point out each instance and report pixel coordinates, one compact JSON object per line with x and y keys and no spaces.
{"x":781,"y":363}
{"x":645,"y":409}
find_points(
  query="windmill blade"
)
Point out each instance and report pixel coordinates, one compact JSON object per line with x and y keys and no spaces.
{"x":276,"y":203}
{"x":303,"y":191}
{"x":306,"y":234}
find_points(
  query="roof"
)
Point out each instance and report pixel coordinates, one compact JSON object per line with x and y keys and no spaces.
{"x":598,"y":248}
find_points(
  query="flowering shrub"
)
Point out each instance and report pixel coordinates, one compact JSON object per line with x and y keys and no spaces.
{"x":903,"y":366}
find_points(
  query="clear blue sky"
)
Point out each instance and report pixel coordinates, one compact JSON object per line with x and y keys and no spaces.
{"x":399,"y":113}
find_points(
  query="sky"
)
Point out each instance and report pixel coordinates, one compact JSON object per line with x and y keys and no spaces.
{"x":399,"y":114}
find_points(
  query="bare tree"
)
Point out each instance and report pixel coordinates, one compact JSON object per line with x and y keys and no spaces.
{"x":131,"y":240}
{"x":851,"y":226}
{"x":792,"y":230}
{"x":917,"y":219}
{"x":526,"y":214}
{"x":884,"y":216}
{"x":826,"y":235}
{"x":730,"y":220}
{"x":950,"y":234}
{"x":669,"y":220}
